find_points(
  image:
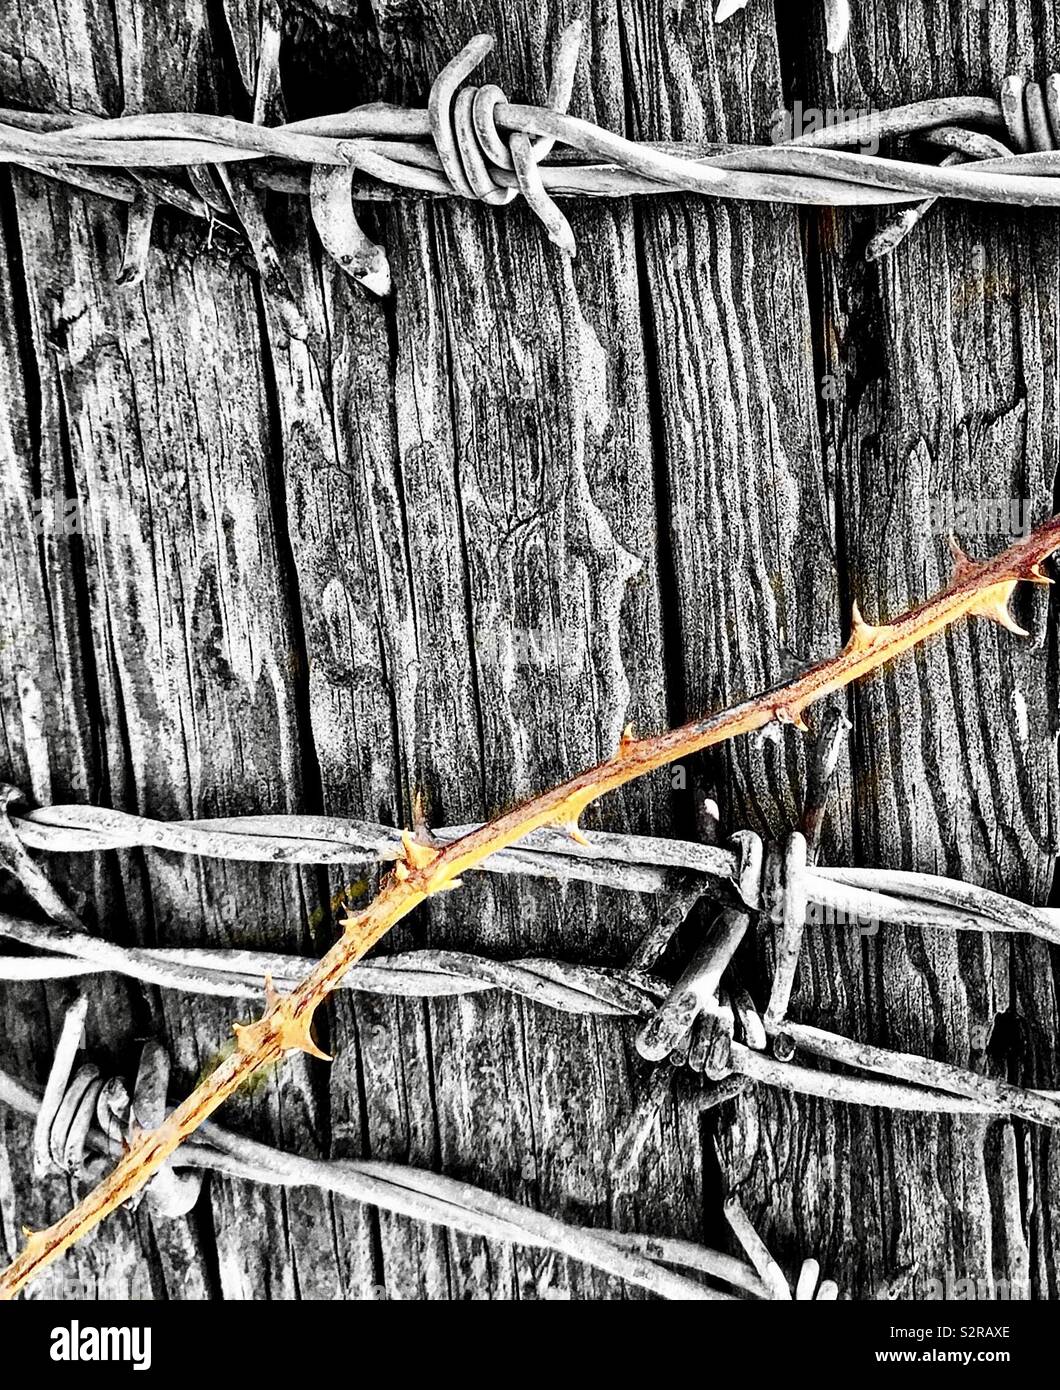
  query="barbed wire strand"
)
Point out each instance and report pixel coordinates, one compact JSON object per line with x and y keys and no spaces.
{"x":570,"y":988}
{"x":472,"y":143}
{"x":460,"y":1206}
{"x":670,"y":1014}
{"x":773,"y":882}
{"x":867,"y":896}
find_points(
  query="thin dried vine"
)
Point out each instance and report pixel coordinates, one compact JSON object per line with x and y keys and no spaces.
{"x":977,"y":589}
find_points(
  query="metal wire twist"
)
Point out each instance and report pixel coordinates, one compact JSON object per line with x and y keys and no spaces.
{"x":1032,"y":113}
{"x":865,"y":898}
{"x":473,"y":152}
{"x":707,"y":1020}
{"x":81,"y":1123}
{"x":472,"y":143}
{"x":80,"y":1106}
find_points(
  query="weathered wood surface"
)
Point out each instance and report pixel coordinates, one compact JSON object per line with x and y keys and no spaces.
{"x":155,"y":408}
{"x":946,"y":368}
{"x":337,"y":552}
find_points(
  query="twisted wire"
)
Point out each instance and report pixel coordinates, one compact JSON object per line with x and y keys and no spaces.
{"x":868,"y":897}
{"x":240,"y":974}
{"x":473,"y":143}
{"x":644,"y":1261}
{"x":675,"y":1024}
{"x":79,"y":1111}
{"x":706,"y":1012}
{"x":707,"y":1020}
{"x":820,"y":169}
{"x":1032,"y":113}
{"x":634,"y":863}
{"x":1031,"y":117}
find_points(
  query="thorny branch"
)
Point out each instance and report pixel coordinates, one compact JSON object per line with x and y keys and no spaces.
{"x":977,"y":589}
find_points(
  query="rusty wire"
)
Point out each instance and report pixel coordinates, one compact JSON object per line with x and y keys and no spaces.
{"x":472,"y":143}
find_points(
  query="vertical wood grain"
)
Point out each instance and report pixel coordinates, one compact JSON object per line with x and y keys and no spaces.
{"x":158,"y":394}
{"x":470,"y":493}
{"x":339,"y":554}
{"x":944,"y":364}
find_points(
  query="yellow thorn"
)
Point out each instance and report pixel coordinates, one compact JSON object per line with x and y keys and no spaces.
{"x":574,"y":831}
{"x":994,"y":605}
{"x":296,"y":1035}
{"x":271,"y":996}
{"x":962,"y":562}
{"x":419,"y":811}
{"x":401,"y":871}
{"x":862,"y":633}
{"x":863,"y":636}
{"x":792,"y":714}
{"x":570,"y":810}
{"x":252,"y":1036}
{"x":626,"y":742}
{"x":1036,"y":575}
{"x":417,"y":856}
{"x":36,"y":1241}
{"x":448,"y":887}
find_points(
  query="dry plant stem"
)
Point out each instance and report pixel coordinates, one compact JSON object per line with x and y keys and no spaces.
{"x":979,"y":589}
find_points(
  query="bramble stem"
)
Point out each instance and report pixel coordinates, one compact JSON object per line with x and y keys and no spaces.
{"x":977,"y":589}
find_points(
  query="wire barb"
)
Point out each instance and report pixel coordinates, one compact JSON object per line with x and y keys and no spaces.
{"x":81,"y":1112}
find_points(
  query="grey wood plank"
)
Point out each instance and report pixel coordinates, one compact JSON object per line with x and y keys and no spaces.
{"x":160,"y":394}
{"x":52,"y":733}
{"x":448,"y":544}
{"x":49,"y":750}
{"x":472,"y":516}
{"x":750,"y":520}
{"x":943,"y":362}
